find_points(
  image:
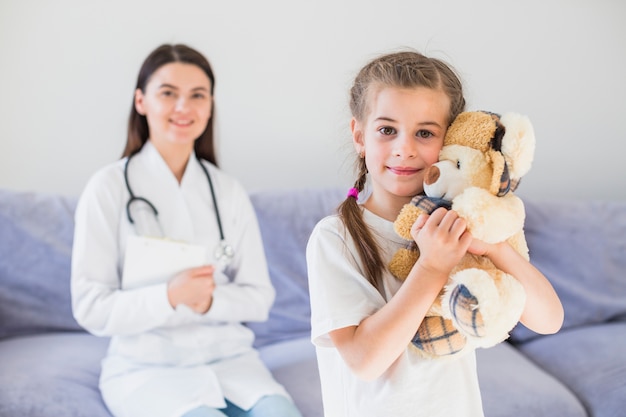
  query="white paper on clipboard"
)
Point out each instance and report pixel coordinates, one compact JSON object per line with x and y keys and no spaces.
{"x":151,"y":261}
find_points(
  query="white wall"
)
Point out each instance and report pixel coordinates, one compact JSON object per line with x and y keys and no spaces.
{"x":283,"y":70}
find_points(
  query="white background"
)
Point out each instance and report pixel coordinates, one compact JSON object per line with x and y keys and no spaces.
{"x":283,"y":70}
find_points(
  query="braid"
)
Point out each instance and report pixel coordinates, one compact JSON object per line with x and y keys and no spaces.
{"x":367,"y":247}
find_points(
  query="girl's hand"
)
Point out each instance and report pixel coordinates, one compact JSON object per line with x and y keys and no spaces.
{"x":479,"y":248}
{"x":442,"y":238}
{"x":194,"y":288}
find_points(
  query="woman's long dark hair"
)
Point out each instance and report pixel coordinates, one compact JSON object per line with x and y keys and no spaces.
{"x":138,"y":131}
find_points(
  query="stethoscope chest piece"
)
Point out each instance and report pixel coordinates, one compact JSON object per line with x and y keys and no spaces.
{"x":223,"y":253}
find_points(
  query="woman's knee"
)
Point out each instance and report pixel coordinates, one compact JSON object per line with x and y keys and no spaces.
{"x":204,"y":411}
{"x":274,"y":406}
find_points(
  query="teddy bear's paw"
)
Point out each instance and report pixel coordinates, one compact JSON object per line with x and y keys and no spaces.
{"x":403,"y":223}
{"x":402,"y":262}
{"x":465,"y":312}
{"x":437,"y":336}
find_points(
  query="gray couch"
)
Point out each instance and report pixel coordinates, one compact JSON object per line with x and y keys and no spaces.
{"x":49,"y":366}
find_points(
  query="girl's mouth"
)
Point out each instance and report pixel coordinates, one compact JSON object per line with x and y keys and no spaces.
{"x":403,"y":170}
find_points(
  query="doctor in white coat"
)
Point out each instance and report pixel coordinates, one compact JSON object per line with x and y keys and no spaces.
{"x":178,"y":346}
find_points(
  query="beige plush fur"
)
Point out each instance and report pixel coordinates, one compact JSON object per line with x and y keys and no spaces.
{"x":478,"y":148}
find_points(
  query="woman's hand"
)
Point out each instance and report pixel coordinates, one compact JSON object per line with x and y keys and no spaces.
{"x":194,"y":288}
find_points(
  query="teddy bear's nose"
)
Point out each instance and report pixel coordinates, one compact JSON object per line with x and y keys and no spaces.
{"x":432,"y":175}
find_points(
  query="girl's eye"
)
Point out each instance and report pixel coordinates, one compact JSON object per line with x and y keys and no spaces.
{"x":167,"y":93}
{"x":386,"y":130}
{"x":199,"y":96}
{"x":424,"y":134}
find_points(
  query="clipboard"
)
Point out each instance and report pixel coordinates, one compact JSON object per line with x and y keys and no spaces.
{"x":150,"y":261}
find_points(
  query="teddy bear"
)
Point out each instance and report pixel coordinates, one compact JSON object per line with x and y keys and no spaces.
{"x":483,"y":158}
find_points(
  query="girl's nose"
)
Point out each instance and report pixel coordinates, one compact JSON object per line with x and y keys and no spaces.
{"x":405,"y":147}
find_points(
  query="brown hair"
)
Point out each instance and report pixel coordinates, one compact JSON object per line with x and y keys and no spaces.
{"x":406,"y":69}
{"x":138,"y":131}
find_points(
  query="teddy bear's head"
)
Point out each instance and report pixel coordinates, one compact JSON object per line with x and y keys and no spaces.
{"x":483,"y":150}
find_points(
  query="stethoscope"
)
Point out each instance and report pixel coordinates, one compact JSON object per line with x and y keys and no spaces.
{"x":224,"y":252}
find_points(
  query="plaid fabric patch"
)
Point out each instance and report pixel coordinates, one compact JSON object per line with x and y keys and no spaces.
{"x":437,"y":336}
{"x":464,"y":309}
{"x":429,"y":204}
{"x":507,"y":184}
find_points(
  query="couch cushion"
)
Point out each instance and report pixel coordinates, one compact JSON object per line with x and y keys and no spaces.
{"x":581,"y":247}
{"x":294,"y":364}
{"x":36,"y":232}
{"x":512,"y":385}
{"x":591,"y":361}
{"x":286,"y":219}
{"x":55,"y":374}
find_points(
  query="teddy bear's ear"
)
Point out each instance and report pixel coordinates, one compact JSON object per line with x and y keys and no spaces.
{"x":518,"y":144}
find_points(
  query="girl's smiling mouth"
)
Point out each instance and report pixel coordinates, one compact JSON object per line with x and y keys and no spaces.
{"x":403,"y":170}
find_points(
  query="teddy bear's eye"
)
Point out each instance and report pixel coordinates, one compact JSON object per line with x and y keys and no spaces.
{"x":458,"y":164}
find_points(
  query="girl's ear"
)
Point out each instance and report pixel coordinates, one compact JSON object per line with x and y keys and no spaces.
{"x":139,"y":102}
{"x":357,"y":136}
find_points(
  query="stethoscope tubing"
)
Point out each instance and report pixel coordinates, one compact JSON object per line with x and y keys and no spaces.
{"x":218,"y":218}
{"x":134,"y":198}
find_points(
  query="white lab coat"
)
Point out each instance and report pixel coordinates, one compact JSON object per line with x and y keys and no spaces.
{"x":163,"y":362}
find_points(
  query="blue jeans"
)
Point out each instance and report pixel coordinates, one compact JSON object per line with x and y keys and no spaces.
{"x":269,"y":406}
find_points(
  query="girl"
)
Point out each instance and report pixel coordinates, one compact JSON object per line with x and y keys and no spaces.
{"x":178,"y":347}
{"x":363,"y":319}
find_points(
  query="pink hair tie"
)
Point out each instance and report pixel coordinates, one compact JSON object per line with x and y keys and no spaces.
{"x":354,"y":193}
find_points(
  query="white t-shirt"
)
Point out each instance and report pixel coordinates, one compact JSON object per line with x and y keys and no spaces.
{"x":341,"y":296}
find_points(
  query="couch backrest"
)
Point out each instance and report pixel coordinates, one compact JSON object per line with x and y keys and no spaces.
{"x":286,"y":219}
{"x":36,"y":233}
{"x":581,"y":247}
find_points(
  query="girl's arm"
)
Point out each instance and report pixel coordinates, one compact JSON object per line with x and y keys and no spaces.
{"x":543,"y":312}
{"x":372,"y":346}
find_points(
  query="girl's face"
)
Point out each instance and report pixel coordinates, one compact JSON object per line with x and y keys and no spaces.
{"x":177,"y":103}
{"x":400,"y":138}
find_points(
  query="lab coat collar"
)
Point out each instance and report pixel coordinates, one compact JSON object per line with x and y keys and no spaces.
{"x":155,"y":159}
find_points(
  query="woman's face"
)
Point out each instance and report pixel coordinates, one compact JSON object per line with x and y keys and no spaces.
{"x":177,"y":103}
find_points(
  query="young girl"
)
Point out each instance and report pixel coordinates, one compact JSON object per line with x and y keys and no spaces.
{"x":178,"y":346}
{"x":363,"y":319}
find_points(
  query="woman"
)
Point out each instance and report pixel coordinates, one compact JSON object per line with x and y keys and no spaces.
{"x":178,"y":346}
